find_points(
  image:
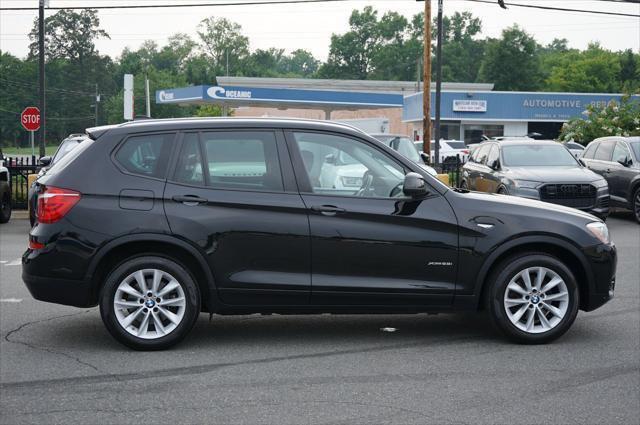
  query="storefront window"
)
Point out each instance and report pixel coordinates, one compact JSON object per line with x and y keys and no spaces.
{"x":474,"y":133}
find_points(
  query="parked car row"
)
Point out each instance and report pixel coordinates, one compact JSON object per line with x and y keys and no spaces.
{"x":446,"y":149}
{"x":606,"y":174}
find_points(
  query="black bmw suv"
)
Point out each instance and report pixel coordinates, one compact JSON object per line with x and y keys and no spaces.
{"x":159,"y":220}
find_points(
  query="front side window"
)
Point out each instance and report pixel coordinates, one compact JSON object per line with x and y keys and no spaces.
{"x":621,"y":153}
{"x":337,"y":165}
{"x":483,"y":153}
{"x":146,"y":155}
{"x":242,"y":160}
{"x":493,"y":156}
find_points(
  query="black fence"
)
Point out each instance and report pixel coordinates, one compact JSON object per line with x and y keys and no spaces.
{"x":452,"y":166}
{"x":19,"y":169}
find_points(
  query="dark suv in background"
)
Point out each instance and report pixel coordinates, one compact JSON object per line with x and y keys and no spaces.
{"x":235,"y":216}
{"x":617,"y":159}
{"x":536,"y":169}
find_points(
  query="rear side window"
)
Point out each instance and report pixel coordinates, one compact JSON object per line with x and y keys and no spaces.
{"x":605,"y":149}
{"x":493,"y":155}
{"x":146,"y":155}
{"x":242,"y":160}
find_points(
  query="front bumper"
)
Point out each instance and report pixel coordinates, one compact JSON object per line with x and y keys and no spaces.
{"x":602,"y":260}
{"x":599,"y":208}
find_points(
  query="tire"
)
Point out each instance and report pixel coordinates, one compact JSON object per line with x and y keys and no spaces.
{"x":135,"y":323}
{"x":635,"y":204}
{"x":546,"y":325}
{"x":502,"y":190}
{"x":5,"y":203}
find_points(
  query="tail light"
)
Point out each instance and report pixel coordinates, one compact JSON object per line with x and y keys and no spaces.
{"x":54,"y":203}
{"x":465,"y":151}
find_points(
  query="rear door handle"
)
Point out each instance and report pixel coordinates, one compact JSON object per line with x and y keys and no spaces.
{"x":329,"y":210}
{"x":190,"y":200}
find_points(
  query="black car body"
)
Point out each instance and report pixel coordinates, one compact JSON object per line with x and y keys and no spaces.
{"x":526,"y":168}
{"x":5,"y":191}
{"x":232,"y":214}
{"x":617,"y":159}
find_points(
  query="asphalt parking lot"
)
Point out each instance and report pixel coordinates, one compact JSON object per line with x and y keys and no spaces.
{"x":59,"y":365}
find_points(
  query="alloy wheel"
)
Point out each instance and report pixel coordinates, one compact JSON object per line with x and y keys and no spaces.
{"x":149,"y":303}
{"x":636,"y":205}
{"x":536,"y":300}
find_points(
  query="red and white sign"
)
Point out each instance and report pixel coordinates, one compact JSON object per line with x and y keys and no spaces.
{"x":30,"y":118}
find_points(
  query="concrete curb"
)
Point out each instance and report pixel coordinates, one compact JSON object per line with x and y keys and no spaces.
{"x":19,"y":215}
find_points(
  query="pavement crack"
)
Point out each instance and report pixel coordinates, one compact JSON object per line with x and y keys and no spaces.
{"x":12,"y":332}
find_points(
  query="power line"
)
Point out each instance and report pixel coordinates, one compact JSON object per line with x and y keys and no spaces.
{"x":562,"y":9}
{"x":155,"y":6}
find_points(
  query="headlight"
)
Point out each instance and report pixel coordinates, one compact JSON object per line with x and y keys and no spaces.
{"x":599,"y":230}
{"x":526,"y":184}
{"x":351,"y":181}
{"x":600,"y":183}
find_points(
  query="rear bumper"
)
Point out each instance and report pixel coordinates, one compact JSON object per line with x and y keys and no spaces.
{"x":72,"y":292}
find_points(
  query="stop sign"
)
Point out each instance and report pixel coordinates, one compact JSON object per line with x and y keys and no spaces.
{"x":30,"y":118}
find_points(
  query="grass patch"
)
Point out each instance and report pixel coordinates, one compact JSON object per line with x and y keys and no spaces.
{"x":11,"y":151}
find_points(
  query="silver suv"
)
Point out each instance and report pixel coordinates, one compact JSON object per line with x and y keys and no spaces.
{"x":541,"y":169}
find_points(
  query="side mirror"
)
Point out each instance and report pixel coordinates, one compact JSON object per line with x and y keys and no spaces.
{"x":425,"y":157}
{"x":45,"y":160}
{"x":495,"y":165}
{"x":414,"y":185}
{"x":625,"y":162}
{"x":331,"y":159}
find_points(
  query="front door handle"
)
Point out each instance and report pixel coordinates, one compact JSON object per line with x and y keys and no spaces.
{"x":329,"y":210}
{"x":190,"y":200}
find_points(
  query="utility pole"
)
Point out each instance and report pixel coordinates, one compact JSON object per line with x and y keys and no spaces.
{"x":43,"y":114}
{"x":426,"y":84}
{"x":438,"y":82}
{"x":147,"y":96}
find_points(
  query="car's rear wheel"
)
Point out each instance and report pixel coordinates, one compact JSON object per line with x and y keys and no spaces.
{"x":533,"y":298}
{"x":5,"y":204}
{"x":636,"y":204}
{"x":149,"y":303}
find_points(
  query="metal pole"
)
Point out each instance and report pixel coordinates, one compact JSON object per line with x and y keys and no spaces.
{"x":33,"y":143}
{"x":426,"y":84}
{"x":43,"y":114}
{"x":438,"y":82}
{"x":97,"y":99}
{"x":146,"y":93}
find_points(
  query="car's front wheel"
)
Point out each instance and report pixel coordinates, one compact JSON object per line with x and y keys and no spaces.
{"x":533,"y":298}
{"x":149,"y":303}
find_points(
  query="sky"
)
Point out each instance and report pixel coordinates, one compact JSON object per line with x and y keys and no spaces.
{"x":309,"y":26}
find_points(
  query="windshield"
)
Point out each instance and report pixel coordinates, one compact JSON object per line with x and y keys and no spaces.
{"x":537,"y":156}
{"x":636,"y":149}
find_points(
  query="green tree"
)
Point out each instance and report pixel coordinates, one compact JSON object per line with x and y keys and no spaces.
{"x":69,"y":34}
{"x":512,"y":62}
{"x":221,"y":40}
{"x":594,"y":70}
{"x":615,"y":119}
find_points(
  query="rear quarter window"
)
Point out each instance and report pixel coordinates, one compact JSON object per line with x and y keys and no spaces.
{"x":146,"y":155}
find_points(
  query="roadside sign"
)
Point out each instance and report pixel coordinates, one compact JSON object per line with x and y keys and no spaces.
{"x":30,"y":118}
